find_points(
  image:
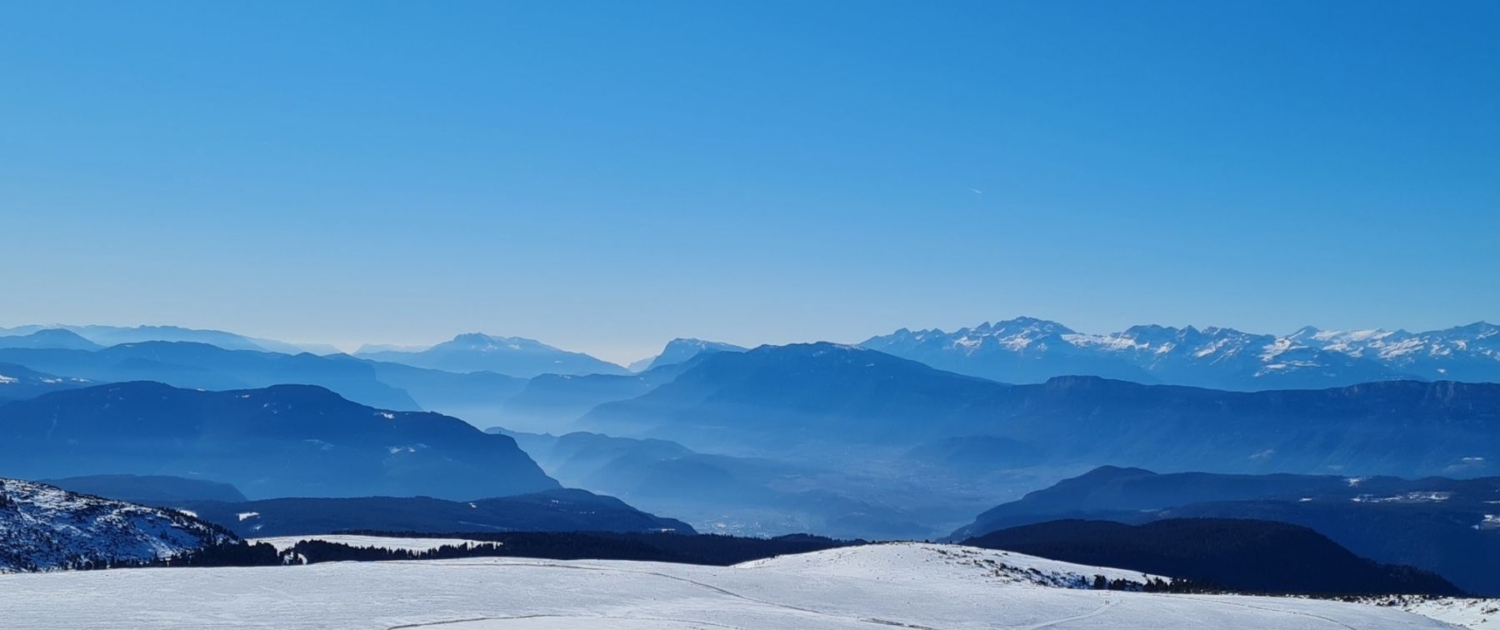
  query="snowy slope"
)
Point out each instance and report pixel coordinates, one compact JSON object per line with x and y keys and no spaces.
{"x":43,"y":527}
{"x":950,"y":562}
{"x":1477,"y":613}
{"x":887,"y":586}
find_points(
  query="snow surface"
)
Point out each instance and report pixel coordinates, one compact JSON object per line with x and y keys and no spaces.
{"x":931,"y":587}
{"x":1475,"y":613}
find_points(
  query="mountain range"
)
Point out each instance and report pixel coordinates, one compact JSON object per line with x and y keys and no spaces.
{"x":18,"y":381}
{"x":1024,"y":350}
{"x":511,"y":356}
{"x":680,"y":350}
{"x":820,"y":399}
{"x":49,"y":338}
{"x":287,"y":440}
{"x":1029,"y":350}
{"x":736,"y":495}
{"x":204,"y":366}
{"x":103,"y":336}
{"x":1020,"y":351}
{"x":821,"y":437}
{"x":555,"y":400}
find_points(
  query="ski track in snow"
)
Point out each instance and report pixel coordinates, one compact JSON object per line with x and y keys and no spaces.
{"x":1088,"y":615}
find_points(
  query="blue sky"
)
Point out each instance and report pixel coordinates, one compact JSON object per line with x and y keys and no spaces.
{"x":606,"y":175}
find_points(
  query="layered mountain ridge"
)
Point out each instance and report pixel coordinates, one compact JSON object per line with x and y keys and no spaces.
{"x":776,"y":398}
{"x":286,"y":440}
{"x":1030,"y":350}
{"x":512,"y":356}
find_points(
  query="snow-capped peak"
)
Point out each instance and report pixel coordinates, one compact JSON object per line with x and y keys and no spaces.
{"x":1234,"y":359}
{"x":490,"y":343}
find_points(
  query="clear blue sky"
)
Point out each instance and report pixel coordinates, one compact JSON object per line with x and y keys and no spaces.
{"x":608,"y":175}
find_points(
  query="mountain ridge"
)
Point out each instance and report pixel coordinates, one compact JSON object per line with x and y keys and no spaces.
{"x":286,"y":440}
{"x":682,"y":349}
{"x":549,"y":511}
{"x":778,"y":397}
{"x":1029,"y":350}
{"x":511,"y":356}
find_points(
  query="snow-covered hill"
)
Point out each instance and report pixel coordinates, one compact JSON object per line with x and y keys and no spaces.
{"x":1477,"y":613}
{"x":885,"y":586}
{"x":1028,"y":350}
{"x":44,"y":528}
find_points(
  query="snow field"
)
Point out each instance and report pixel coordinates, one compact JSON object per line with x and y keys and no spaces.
{"x":933,"y":587}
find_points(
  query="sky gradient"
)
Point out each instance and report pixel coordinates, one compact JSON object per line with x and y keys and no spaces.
{"x":605,"y":176}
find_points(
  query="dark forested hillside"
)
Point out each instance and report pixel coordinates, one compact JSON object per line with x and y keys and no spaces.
{"x":1434,"y":523}
{"x":1243,"y":555}
{"x":551,"y":511}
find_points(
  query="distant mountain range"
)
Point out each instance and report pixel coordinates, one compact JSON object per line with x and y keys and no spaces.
{"x":1028,"y":350}
{"x":288,"y":440}
{"x":103,"y":336}
{"x":760,"y":496}
{"x":681,"y":350}
{"x":1020,"y":351}
{"x":46,"y":528}
{"x":49,"y":338}
{"x":511,"y":356}
{"x":556,"y":400}
{"x":473,"y":396}
{"x":772,"y":399}
{"x":18,"y":382}
{"x":205,"y":366}
{"x":1444,"y":525}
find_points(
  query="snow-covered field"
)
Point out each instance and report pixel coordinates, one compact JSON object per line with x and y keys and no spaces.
{"x":1470,"y":613}
{"x":916,"y":586}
